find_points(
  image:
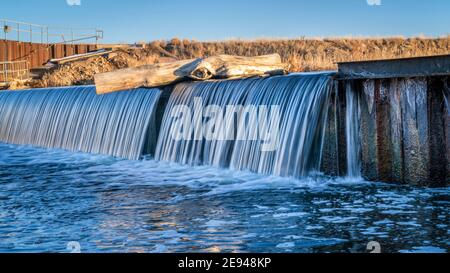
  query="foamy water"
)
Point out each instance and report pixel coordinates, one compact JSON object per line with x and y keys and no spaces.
{"x":51,"y":197}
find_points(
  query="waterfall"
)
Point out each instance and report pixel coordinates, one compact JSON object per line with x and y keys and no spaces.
{"x":292,"y":106}
{"x":274,"y":125}
{"x":75,"y":118}
{"x":198,"y":152}
{"x":352,"y":132}
{"x":446,"y":94}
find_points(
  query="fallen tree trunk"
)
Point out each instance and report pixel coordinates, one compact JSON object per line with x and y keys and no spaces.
{"x":228,"y":66}
{"x":143,"y":76}
{"x":222,"y":66}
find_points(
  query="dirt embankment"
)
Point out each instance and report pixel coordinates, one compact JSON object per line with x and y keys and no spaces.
{"x":83,"y":71}
{"x":300,"y":54}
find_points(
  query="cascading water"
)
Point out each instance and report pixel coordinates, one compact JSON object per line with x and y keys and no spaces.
{"x":446,"y":95}
{"x":76,"y":119}
{"x":272,"y":125}
{"x":51,"y":197}
{"x":352,"y":132}
{"x":299,"y":123}
{"x":198,"y":151}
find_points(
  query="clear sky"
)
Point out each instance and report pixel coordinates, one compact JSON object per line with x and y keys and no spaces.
{"x":146,"y":20}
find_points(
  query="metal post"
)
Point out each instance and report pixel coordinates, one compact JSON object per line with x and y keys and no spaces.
{"x":6,"y":47}
{"x":4,"y":28}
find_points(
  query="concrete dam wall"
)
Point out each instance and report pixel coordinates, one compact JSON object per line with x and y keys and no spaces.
{"x":358,"y":122}
{"x":404,"y":118}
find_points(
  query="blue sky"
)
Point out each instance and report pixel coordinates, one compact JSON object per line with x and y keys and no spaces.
{"x":139,"y":20}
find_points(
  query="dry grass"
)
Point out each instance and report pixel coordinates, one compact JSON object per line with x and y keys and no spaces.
{"x":313,"y":54}
{"x":82,"y":72}
{"x":300,"y":54}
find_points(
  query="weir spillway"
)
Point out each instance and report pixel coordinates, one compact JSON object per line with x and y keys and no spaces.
{"x":76,"y":119}
{"x":298,"y":133}
{"x":381,"y":129}
{"x":403,"y":118}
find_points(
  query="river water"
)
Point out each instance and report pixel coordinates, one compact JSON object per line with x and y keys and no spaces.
{"x":49,"y":198}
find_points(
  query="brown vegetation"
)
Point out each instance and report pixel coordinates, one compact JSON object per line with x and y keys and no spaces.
{"x":82,"y":72}
{"x":313,"y":54}
{"x":300,"y":54}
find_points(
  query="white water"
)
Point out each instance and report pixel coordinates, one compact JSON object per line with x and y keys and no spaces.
{"x":76,"y":119}
{"x":302,"y":100}
{"x":122,"y":124}
{"x":352,"y":133}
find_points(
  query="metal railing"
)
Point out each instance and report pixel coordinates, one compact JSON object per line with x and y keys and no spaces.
{"x":12,"y":71}
{"x":28,"y":32}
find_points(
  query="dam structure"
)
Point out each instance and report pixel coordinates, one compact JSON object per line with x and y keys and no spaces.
{"x":76,"y":119}
{"x":404,"y":118}
{"x":353,"y":123}
{"x":300,"y":129}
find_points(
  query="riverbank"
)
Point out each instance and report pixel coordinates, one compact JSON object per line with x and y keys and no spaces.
{"x":302,"y":55}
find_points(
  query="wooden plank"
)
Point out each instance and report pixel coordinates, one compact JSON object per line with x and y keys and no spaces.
{"x":77,"y":49}
{"x":368,"y":127}
{"x":45,"y":54}
{"x":69,"y":50}
{"x":2,"y":50}
{"x":396,"y":137}
{"x":11,"y":51}
{"x":329,"y":165}
{"x":34,"y":55}
{"x":80,"y":56}
{"x":415,"y":131}
{"x":59,"y":53}
{"x":82,"y":49}
{"x":447,"y":126}
{"x":384,"y":147}
{"x":52,"y":51}
{"x":437,"y":112}
{"x":27,"y":52}
{"x":15,"y":51}
{"x":92,"y":47}
{"x":341,"y":119}
{"x":21,"y":52}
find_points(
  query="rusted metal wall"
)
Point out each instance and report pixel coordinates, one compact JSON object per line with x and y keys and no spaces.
{"x":38,"y":54}
{"x":334,"y":153}
{"x":405,"y":130}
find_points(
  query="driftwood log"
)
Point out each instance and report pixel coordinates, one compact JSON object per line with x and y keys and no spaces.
{"x":221,"y":66}
{"x":227,"y":66}
{"x":143,"y":76}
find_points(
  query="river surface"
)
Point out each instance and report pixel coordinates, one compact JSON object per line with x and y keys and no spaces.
{"x":49,"y":198}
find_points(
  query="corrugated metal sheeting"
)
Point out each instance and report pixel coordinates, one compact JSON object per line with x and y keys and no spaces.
{"x":38,"y":54}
